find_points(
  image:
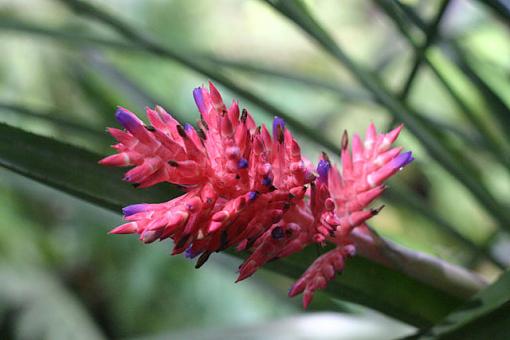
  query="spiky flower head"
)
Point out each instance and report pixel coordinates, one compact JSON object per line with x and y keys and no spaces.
{"x":248,"y":188}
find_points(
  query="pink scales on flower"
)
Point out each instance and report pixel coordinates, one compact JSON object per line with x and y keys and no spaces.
{"x":249,"y":188}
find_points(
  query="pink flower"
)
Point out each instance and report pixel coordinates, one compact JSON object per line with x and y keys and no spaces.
{"x":249,"y":188}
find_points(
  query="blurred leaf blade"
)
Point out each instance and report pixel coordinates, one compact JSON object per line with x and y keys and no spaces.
{"x":431,"y":33}
{"x":76,"y":172}
{"x":30,"y":293}
{"x":498,"y":107}
{"x":68,"y":168}
{"x":194,"y":63}
{"x":49,"y":117}
{"x":485,"y":315}
{"x":297,"y":10}
{"x":492,"y":142}
{"x":418,"y":207}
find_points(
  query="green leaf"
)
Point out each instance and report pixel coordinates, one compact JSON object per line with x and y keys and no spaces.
{"x":36,"y":305}
{"x":491,"y":140}
{"x":431,"y":33}
{"x":76,"y":171}
{"x":51,"y":118}
{"x":70,"y":169}
{"x":297,"y":13}
{"x":195,"y":63}
{"x":497,"y":105}
{"x":343,"y":93}
{"x":499,"y":8}
{"x":485,"y":316}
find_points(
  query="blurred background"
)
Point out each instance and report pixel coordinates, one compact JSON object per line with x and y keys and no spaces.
{"x":64,"y":68}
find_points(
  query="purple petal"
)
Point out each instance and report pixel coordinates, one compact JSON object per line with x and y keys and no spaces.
{"x":278,"y":124}
{"x":242,"y":164}
{"x":252,"y":195}
{"x":323,"y":170}
{"x":277,"y":233}
{"x":402,"y":160}
{"x":134,"y":209}
{"x":128,"y":120}
{"x":189,"y":254}
{"x":188,"y":127}
{"x":199,"y":99}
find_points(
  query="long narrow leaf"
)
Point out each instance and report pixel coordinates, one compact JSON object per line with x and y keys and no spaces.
{"x":417,"y":208}
{"x":69,"y":169}
{"x":196,"y":64}
{"x":51,"y":118}
{"x":492,"y":142}
{"x":431,"y":32}
{"x":75,"y":171}
{"x":485,"y":316}
{"x":497,"y":105}
{"x":296,"y":12}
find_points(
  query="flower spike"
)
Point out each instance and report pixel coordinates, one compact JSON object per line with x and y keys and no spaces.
{"x":248,"y":188}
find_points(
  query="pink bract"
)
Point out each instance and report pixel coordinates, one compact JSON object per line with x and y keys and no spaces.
{"x":248,"y":188}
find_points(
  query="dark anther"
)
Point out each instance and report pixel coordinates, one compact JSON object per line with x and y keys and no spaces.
{"x":244,"y":115}
{"x":204,"y":123}
{"x":280,"y":135}
{"x":250,"y":243}
{"x":173,"y":163}
{"x":272,"y":188}
{"x":201,"y":133}
{"x":277,"y":233}
{"x":182,"y":241}
{"x":325,"y":156}
{"x":223,"y":240}
{"x":181,"y":131}
{"x":237,"y":176}
{"x":267,"y":181}
{"x":345,"y":140}
{"x":150,"y":128}
{"x":286,"y":206}
{"x":252,"y":195}
{"x":376,"y":210}
{"x":242,"y":163}
{"x":202,"y":259}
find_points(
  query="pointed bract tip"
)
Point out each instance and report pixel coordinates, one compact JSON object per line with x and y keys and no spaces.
{"x":134,"y":209}
{"x":199,"y":99}
{"x":127,"y":228}
{"x":402,"y":160}
{"x":278,"y":128}
{"x":375,"y":211}
{"x":323,"y":170}
{"x":127,"y":119}
{"x":345,"y":140}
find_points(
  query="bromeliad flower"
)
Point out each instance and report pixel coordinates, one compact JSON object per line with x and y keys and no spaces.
{"x":248,"y":188}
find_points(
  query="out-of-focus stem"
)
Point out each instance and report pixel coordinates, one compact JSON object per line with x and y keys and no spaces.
{"x":440,"y":274}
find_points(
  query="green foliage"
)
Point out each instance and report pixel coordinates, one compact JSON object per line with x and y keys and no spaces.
{"x":485,"y":315}
{"x":73,"y":170}
{"x":337,"y":65}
